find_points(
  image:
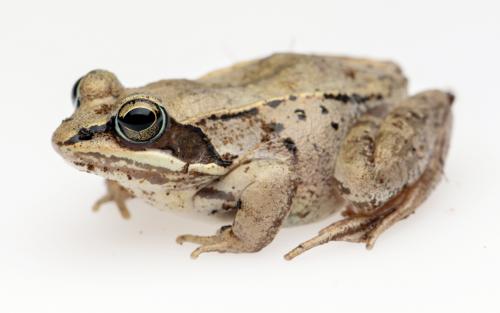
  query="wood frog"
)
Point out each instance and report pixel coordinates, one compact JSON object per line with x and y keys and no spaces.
{"x":284,"y":140}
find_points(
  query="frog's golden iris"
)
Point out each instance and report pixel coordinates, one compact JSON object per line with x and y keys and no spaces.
{"x":140,"y":120}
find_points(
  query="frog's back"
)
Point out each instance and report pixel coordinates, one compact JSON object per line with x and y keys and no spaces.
{"x":277,"y":76}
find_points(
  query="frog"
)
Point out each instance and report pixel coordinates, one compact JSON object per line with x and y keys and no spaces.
{"x":284,"y":140}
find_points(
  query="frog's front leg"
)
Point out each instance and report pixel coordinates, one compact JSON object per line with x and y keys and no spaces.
{"x":117,"y":194}
{"x":263,"y":205}
{"x":387,"y":167}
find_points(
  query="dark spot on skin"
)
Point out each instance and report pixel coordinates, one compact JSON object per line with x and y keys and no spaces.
{"x":67,"y":119}
{"x":129,"y":177}
{"x":228,"y":116}
{"x":88,"y":133}
{"x":265,"y":137}
{"x":211,"y":193}
{"x":350,"y":73}
{"x":104,"y":109}
{"x":202,"y":122}
{"x":339,"y":97}
{"x":352,"y":98}
{"x":290,"y":145}
{"x":323,"y":109}
{"x":272,"y":127}
{"x":85,"y":134}
{"x":90,"y":167}
{"x":335,"y":125}
{"x":292,"y":98}
{"x":185,"y":168}
{"x":269,"y":128}
{"x":301,"y":114}
{"x":229,"y":157}
{"x":274,"y":103}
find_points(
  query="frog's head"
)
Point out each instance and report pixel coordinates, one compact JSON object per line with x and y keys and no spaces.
{"x":127,"y":135}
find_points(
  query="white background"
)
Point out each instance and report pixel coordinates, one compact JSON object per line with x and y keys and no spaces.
{"x":57,"y":256}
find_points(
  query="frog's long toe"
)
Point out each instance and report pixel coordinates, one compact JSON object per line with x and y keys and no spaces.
{"x":353,"y":229}
{"x":201,"y":240}
{"x":223,"y":241}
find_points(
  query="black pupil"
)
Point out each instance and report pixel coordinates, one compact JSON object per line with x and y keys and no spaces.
{"x":138,"y":119}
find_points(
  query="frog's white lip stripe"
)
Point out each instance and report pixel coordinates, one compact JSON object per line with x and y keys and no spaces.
{"x":159,"y":159}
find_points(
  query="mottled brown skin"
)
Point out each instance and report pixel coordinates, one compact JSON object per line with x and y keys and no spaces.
{"x":283,"y":140}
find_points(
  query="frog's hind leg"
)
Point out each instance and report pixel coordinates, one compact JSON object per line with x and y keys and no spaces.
{"x":386,"y":155}
{"x":117,"y":194}
{"x":367,"y":227}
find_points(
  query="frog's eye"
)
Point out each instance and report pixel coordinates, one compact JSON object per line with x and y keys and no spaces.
{"x":140,"y":120}
{"x":75,"y":93}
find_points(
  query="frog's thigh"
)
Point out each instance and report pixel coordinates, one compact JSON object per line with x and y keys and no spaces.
{"x":386,"y":168}
{"x":264,"y":204}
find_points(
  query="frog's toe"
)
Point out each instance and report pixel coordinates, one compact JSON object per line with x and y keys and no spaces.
{"x":221,"y":247}
{"x":102,"y":200}
{"x":118,"y":195}
{"x":201,"y":240}
{"x":122,"y":208}
{"x":224,"y":241}
{"x":354,"y":229}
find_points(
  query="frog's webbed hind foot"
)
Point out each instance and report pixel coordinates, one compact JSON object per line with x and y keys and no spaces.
{"x":117,"y":194}
{"x":223,"y":241}
{"x":360,"y":228}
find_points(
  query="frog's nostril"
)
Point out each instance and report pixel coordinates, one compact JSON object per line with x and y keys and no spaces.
{"x":85,"y":134}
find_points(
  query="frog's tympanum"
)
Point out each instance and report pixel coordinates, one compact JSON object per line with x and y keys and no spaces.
{"x":284,"y":140}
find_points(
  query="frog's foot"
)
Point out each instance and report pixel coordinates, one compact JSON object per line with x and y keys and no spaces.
{"x":366,"y":228}
{"x":116,"y":194}
{"x":224,"y":241}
